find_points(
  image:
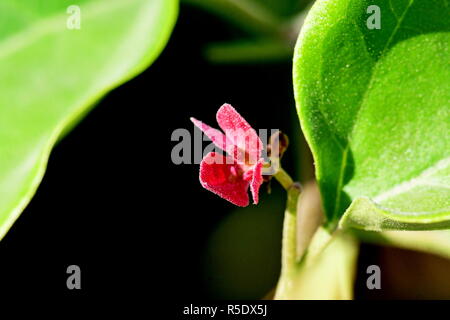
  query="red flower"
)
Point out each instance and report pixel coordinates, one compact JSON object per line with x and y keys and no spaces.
{"x":231,"y":176}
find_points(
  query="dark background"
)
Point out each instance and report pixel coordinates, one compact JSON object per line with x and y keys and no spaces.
{"x":113,"y":203}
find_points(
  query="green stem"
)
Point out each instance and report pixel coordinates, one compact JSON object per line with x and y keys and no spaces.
{"x":289,"y":250}
{"x":248,"y":51}
{"x":292,"y":261}
{"x":289,"y":247}
{"x":284,"y":179}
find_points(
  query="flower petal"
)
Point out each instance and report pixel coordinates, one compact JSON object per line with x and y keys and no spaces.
{"x":217,"y":137}
{"x":257,"y":180}
{"x":223,"y":176}
{"x":240,"y":132}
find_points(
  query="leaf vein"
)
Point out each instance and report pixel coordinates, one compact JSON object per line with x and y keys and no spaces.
{"x":419,"y":179}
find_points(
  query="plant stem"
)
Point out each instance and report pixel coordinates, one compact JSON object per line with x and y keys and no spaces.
{"x":284,"y":179}
{"x":289,"y":251}
{"x":289,"y":247}
{"x":248,"y":51}
{"x":293,"y":261}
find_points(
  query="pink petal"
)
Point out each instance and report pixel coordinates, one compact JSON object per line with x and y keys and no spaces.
{"x":256,"y":181}
{"x":217,"y":137}
{"x":239,"y":132}
{"x":223,"y":178}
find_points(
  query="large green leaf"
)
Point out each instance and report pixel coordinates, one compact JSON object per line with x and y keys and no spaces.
{"x":374,"y":105}
{"x":51,"y":75}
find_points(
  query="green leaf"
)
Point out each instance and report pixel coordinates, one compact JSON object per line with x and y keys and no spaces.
{"x":51,"y":75}
{"x":374,"y":107}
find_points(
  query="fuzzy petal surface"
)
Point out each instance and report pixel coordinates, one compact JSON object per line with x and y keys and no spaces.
{"x":224,"y":176}
{"x":240,"y":133}
{"x":216,"y":136}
